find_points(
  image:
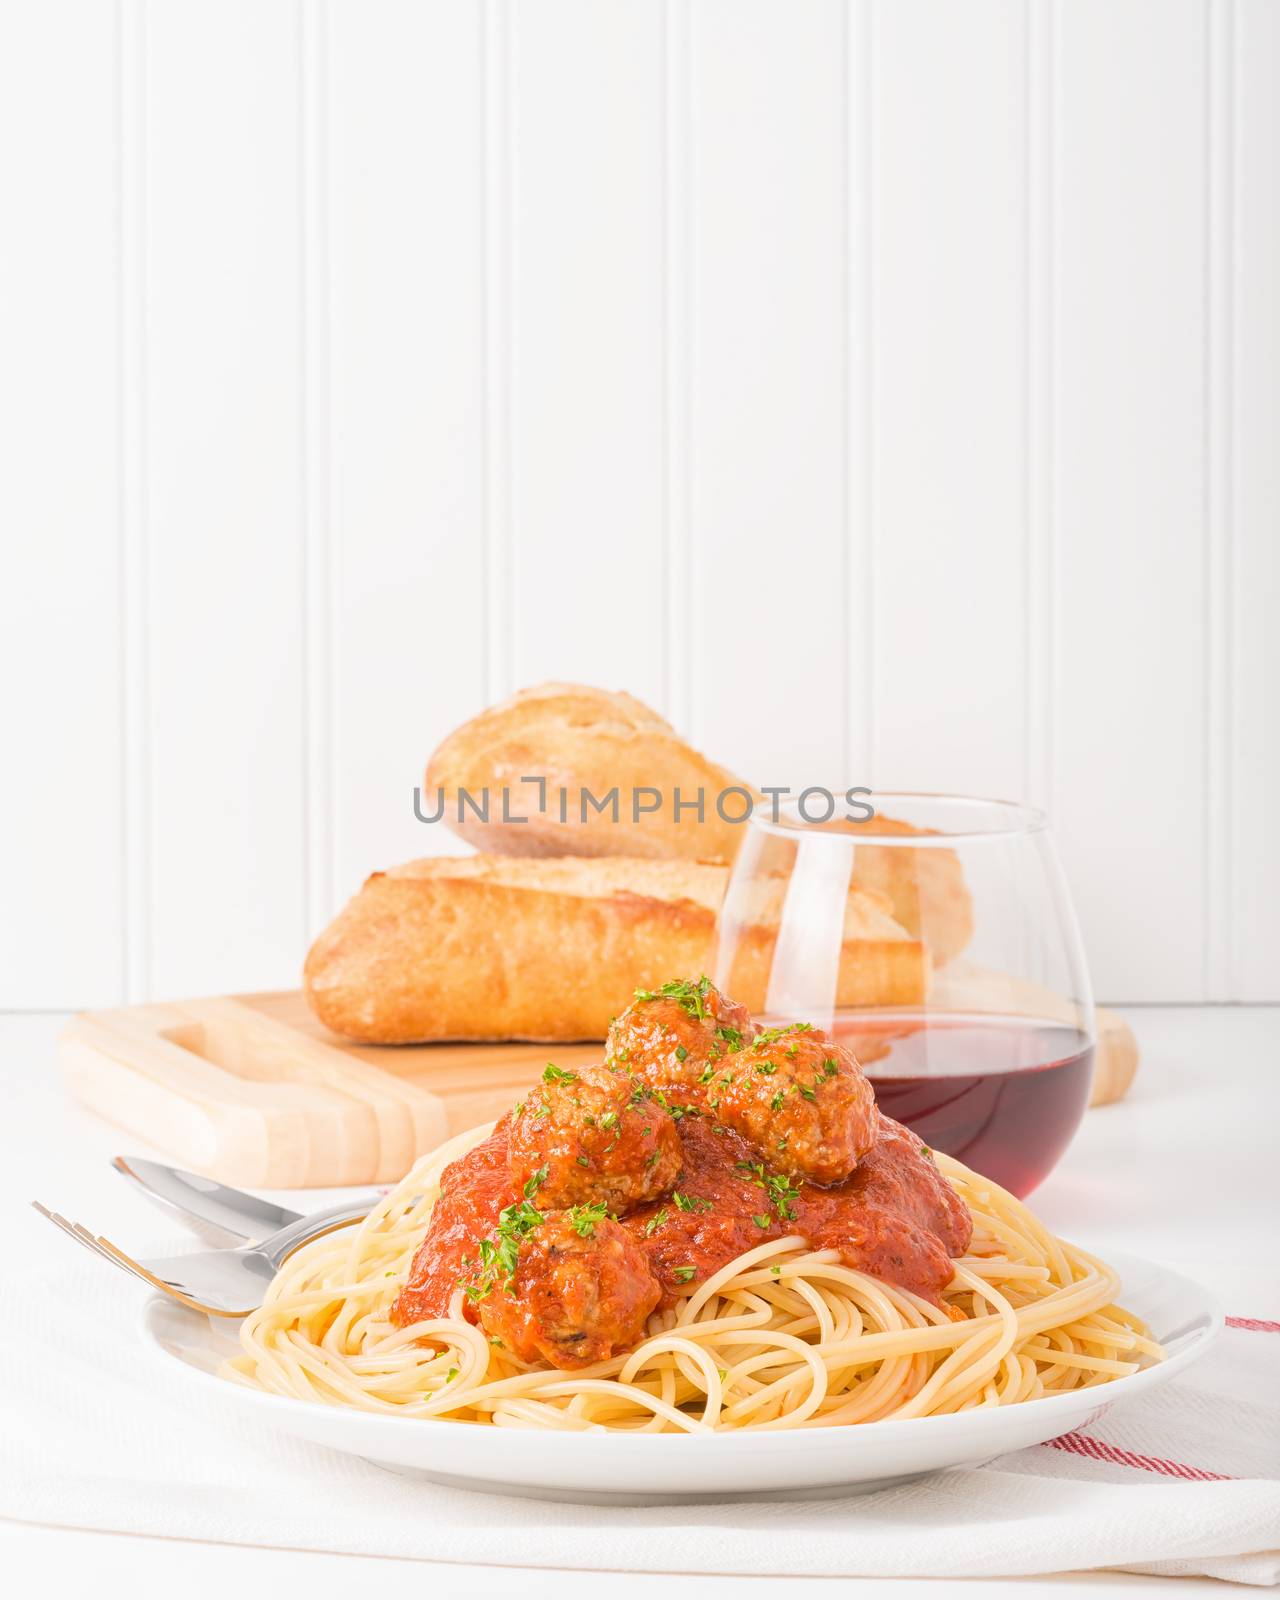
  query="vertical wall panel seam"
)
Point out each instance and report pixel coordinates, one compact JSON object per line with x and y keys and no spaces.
{"x":850,"y":456}
{"x":1040,"y":641}
{"x":871,"y":609}
{"x":1045,"y":242}
{"x":1237,"y":528}
{"x":510,"y":564}
{"x":498,"y":489}
{"x":134,"y":588}
{"x":677,"y":412}
{"x":1052,"y":220}
{"x":858,"y":463}
{"x":847,"y":381}
{"x":1219,"y":425}
{"x":318,"y":786}
{"x":1030,"y":369}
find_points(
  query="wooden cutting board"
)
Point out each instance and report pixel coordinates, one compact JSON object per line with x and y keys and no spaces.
{"x":252,"y":1090}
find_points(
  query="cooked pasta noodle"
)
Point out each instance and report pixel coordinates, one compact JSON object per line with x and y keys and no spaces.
{"x":783,"y":1336}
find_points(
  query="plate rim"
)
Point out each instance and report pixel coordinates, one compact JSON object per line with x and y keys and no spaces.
{"x":787,"y":1439}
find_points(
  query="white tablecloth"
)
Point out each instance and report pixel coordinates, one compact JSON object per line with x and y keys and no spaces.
{"x":96,"y":1434}
{"x":104,"y":1432}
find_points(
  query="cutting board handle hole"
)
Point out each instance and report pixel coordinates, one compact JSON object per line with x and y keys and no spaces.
{"x":233,"y":1049}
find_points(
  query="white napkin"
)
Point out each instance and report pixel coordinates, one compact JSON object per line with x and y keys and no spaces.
{"x":99,"y":1432}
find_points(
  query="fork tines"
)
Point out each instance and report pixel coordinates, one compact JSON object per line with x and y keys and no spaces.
{"x":93,"y":1242}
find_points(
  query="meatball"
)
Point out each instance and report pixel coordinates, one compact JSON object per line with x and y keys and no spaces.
{"x":899,"y":1175}
{"x":592,"y":1135}
{"x":670,"y":1036}
{"x":581,"y":1291}
{"x":801,"y":1099}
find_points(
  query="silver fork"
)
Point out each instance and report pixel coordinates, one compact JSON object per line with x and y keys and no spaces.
{"x":221,"y":1283}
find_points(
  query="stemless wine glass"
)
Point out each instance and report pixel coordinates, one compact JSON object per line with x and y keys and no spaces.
{"x":938,"y":941}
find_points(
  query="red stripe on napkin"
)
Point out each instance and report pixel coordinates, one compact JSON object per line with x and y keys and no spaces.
{"x":1080,"y":1444}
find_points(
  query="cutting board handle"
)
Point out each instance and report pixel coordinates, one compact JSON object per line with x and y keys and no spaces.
{"x":232,"y":1092}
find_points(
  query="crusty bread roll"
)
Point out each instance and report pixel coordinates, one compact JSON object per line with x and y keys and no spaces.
{"x":582,"y":738}
{"x":579,"y":738}
{"x":496,"y":947}
{"x":926,"y":888}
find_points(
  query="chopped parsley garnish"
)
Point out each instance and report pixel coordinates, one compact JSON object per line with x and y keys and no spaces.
{"x":762,"y":1219}
{"x":926,"y":1152}
{"x":687,"y":994}
{"x":776,"y":1103}
{"x":783,"y":1195}
{"x":681,"y":1052}
{"x":691,"y":1202}
{"x":451,"y":1374}
{"x":708,"y":1072}
{"x":807,"y":1091}
{"x":655,"y":1222}
{"x":766,"y":1068}
{"x":772,"y":1035}
{"x":731,"y":1036}
{"x":683,"y":1274}
{"x":584,"y":1161}
{"x":830,"y":1067}
{"x":554,"y":1074}
{"x":608,"y":1119}
{"x":534,"y":1182}
{"x":775,"y":1271}
{"x":498,"y":1256}
{"x":583,"y":1219}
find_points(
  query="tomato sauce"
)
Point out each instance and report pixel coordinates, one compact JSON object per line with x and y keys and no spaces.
{"x":895,"y":1217}
{"x":474,"y":1190}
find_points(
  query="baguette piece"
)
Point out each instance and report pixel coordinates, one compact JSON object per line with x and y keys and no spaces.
{"x":498,"y":947}
{"x":580,"y":738}
{"x":583,"y":739}
{"x":926,"y":888}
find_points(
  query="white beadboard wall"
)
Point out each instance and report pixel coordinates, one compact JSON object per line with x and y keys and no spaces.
{"x":887,"y":390}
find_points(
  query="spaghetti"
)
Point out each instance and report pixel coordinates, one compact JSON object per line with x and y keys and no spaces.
{"x":783,"y":1336}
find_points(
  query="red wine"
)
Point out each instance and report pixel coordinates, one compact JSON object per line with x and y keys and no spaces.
{"x":1002,"y":1094}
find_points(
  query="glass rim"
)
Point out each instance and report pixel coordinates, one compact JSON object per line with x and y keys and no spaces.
{"x":1005,"y":819}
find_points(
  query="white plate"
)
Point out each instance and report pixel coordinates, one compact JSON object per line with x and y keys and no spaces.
{"x":652,"y":1468}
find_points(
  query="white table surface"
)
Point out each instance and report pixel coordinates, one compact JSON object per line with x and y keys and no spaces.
{"x":1182,"y":1171}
